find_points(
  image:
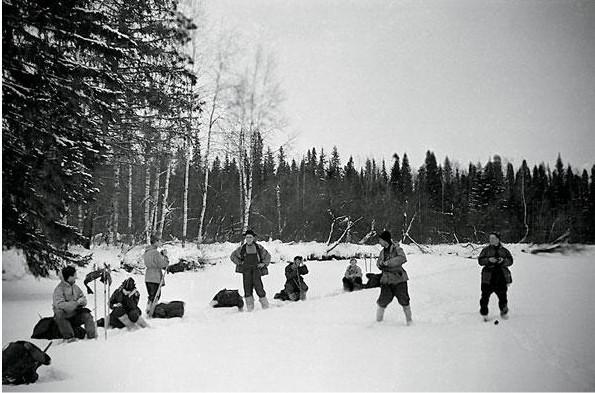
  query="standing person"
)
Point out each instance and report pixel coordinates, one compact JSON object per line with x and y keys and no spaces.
{"x":295,"y":286}
{"x":251,"y":259}
{"x":124,"y":303}
{"x":155,"y":262}
{"x":393,"y":282}
{"x":353,"y":277}
{"x":495,"y":275}
{"x":69,"y":303}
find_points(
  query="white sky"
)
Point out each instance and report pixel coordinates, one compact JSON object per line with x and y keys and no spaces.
{"x":466,"y":79}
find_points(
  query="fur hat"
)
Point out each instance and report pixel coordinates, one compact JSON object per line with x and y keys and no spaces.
{"x":250,"y":232}
{"x":68,"y":272}
{"x":129,"y":284}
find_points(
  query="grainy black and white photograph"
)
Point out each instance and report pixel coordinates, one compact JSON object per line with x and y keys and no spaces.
{"x":298,"y":195}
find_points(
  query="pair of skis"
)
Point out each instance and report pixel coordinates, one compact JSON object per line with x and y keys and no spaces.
{"x":106,"y":297}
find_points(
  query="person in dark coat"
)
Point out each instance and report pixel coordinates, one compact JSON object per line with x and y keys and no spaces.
{"x":69,"y":303}
{"x":251,"y":260}
{"x":495,"y":275}
{"x":295,"y":286}
{"x":353,"y":277}
{"x":393,"y":282}
{"x":124,"y":305}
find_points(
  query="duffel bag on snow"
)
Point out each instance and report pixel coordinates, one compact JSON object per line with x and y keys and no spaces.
{"x":47,"y":329}
{"x":173,"y":309}
{"x":228,"y":298}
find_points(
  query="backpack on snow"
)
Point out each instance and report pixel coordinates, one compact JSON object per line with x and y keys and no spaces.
{"x":173,"y":309}
{"x":263,"y":270}
{"x":47,"y":329}
{"x":373,"y":280}
{"x":228,"y":298}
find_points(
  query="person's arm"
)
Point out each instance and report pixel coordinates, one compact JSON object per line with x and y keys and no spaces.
{"x":303,"y":269}
{"x":398,"y":259}
{"x":507,"y":260}
{"x":265,"y":256}
{"x":161,"y":260}
{"x":60,"y":301}
{"x":358,"y":272}
{"x":379,"y":261}
{"x":115,"y":299}
{"x":483,"y":257}
{"x":235,"y":256}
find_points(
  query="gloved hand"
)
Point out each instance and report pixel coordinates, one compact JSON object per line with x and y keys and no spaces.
{"x":261,"y":265}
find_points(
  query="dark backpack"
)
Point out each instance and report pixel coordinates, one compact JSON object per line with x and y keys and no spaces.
{"x":228,"y":298}
{"x":47,"y":329}
{"x":373,"y":280}
{"x":263,"y":270}
{"x":173,"y":309}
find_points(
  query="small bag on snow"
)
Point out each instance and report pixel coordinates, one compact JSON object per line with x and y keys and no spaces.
{"x":173,"y":309}
{"x":228,"y":298}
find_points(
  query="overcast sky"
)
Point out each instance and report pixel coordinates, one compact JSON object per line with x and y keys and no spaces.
{"x":466,"y":79}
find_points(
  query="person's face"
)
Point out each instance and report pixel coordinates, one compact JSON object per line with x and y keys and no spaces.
{"x":249,"y":239}
{"x":297,"y":261}
{"x":494,"y":241}
{"x":383,"y":243}
{"x":353,"y":262}
{"x":72,"y":279}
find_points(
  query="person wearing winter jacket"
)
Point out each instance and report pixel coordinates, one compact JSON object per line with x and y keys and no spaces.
{"x":495,"y":275}
{"x":155,"y":262}
{"x":295,"y":286}
{"x":393,"y":282}
{"x":69,"y":303}
{"x":124,"y":305}
{"x":251,"y":260}
{"x":353,"y":276}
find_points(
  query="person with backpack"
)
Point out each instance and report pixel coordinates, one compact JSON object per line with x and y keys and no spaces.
{"x":295,"y":286}
{"x":495,"y":275}
{"x":124,"y":305}
{"x":69,"y":303}
{"x":155,"y":262}
{"x":352,"y":281}
{"x":393,"y":282}
{"x":251,"y":260}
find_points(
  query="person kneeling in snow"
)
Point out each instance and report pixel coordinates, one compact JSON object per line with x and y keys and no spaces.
{"x":353,"y":277}
{"x":124,"y":303}
{"x":69,"y":303}
{"x":495,"y":275}
{"x":295,"y":287}
{"x":393,"y":282}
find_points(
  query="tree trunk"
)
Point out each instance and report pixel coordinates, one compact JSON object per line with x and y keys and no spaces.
{"x":164,"y":198}
{"x":113,"y":236}
{"x":278,"y":192}
{"x":130,"y":204}
{"x":81,"y":218}
{"x":147,"y":202}
{"x":155,"y":200}
{"x":185,"y":204}
{"x":524,"y":206}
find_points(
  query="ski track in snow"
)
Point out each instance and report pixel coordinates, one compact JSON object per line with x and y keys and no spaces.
{"x":331,"y":342}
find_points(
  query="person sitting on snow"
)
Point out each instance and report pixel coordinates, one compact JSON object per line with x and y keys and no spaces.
{"x":393,"y":282}
{"x":69,"y":303}
{"x":124,"y":305}
{"x":353,"y":276}
{"x":295,"y":287}
{"x":495,"y":275}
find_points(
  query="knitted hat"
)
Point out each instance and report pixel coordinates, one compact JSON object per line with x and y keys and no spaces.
{"x":386,"y":236}
{"x":129,"y":284}
{"x":68,"y":272}
{"x":250,"y":232}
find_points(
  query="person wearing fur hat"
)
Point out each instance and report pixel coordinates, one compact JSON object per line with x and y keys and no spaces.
{"x":495,"y":275}
{"x":124,"y":305}
{"x":69,"y":303}
{"x":393,"y":282}
{"x":251,"y":260}
{"x":295,"y":286}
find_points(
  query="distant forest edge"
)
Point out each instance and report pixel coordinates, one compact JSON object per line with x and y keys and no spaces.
{"x":302,"y":200}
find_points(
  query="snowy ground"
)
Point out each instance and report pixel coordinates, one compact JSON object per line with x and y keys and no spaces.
{"x":331,"y":342}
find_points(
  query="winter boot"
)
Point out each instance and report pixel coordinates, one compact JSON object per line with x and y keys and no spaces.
{"x":380,"y":313}
{"x":148,"y":309}
{"x":407,"y":311}
{"x":504,"y":313}
{"x":303,"y":296}
{"x":250,"y":303}
{"x":142,"y":323}
{"x":264,"y":302}
{"x":127,"y":322}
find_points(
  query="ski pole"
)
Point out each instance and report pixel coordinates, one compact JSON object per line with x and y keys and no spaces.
{"x":105,"y":309}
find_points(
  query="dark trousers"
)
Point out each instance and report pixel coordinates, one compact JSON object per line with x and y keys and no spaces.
{"x":118,"y":312}
{"x":349,"y":284}
{"x":486,"y":291}
{"x":390,"y":291}
{"x":253,"y":282}
{"x":152,"y":288}
{"x":82,"y":316}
